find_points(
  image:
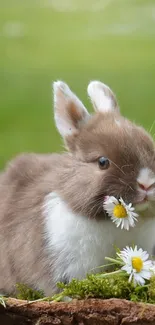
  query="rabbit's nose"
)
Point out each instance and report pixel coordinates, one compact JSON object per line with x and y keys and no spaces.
{"x":145,"y":187}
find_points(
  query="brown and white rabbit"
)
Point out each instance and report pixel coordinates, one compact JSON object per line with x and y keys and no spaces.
{"x":52,"y":223}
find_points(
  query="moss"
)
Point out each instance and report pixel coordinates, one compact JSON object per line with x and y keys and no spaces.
{"x":140,"y":293}
{"x":151,"y":290}
{"x":107,"y":287}
{"x":114,"y":286}
{"x":24,"y":292}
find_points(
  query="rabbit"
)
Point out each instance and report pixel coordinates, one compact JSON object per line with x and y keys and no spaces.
{"x":52,"y":223}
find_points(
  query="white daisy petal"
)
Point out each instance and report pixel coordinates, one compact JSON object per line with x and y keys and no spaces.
{"x":110,"y":200}
{"x":127,"y":268}
{"x":147,"y":264}
{"x":138,"y":279}
{"x":118,"y":223}
{"x":145,"y":256}
{"x":125,"y":224}
{"x":146,"y":274}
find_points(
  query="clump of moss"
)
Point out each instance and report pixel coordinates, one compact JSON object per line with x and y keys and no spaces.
{"x":24,"y":292}
{"x":151,"y":290}
{"x":97,"y":287}
{"x":140,"y":294}
{"x":113,"y":286}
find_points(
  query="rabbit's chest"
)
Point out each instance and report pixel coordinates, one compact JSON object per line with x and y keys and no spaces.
{"x":78,"y":244}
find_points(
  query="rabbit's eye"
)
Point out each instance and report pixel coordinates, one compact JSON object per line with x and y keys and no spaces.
{"x":104,"y":163}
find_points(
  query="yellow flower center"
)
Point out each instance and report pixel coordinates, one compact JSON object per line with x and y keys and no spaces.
{"x":137,"y":263}
{"x":119,"y":211}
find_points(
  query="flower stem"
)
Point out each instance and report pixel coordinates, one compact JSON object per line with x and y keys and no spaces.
{"x":102,"y":266}
{"x":114,"y":261}
{"x":110,"y":273}
{"x":29,"y":302}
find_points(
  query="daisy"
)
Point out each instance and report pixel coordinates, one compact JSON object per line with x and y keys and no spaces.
{"x":121,"y":213}
{"x":136,"y":264}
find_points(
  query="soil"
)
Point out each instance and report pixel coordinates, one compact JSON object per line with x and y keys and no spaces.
{"x":77,"y":312}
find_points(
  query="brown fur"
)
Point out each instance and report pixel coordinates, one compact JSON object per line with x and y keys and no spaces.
{"x":77,"y":178}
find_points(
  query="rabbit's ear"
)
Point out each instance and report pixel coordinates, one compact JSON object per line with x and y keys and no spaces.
{"x":69,"y":112}
{"x":102,"y":97}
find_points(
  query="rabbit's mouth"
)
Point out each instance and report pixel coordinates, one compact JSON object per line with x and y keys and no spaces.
{"x":142,"y":200}
{"x":143,"y":204}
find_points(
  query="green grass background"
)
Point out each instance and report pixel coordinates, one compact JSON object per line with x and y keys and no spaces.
{"x":76,"y":41}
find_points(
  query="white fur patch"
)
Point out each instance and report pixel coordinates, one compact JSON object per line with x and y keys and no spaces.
{"x":78,"y":244}
{"x":146,"y":177}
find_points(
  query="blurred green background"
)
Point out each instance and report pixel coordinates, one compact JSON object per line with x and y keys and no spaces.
{"x":76,"y":41}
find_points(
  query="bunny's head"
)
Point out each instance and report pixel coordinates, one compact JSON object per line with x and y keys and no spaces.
{"x":113,"y":155}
